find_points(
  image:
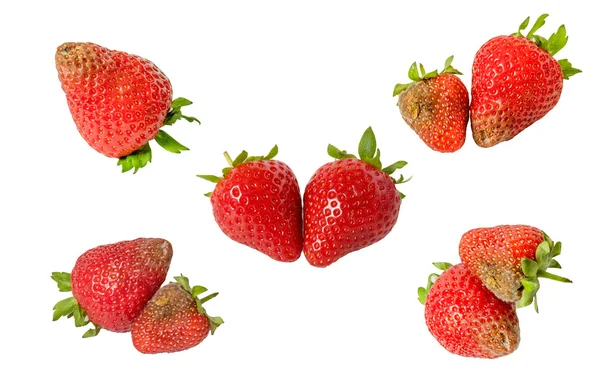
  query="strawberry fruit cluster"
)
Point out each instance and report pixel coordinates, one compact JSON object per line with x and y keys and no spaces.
{"x":515,"y":82}
{"x":471,"y":307}
{"x":118,"y":287}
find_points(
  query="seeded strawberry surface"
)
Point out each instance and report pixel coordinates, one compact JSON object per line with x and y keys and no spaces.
{"x":514,"y":84}
{"x":118,"y":101}
{"x":113,"y":282}
{"x":348,"y":205}
{"x":170,"y":322}
{"x":437,"y":109}
{"x":469,"y":320}
{"x":258,"y":204}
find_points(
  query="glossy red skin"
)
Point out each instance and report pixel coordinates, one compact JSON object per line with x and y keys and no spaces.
{"x":494,"y":255}
{"x":258,"y":204}
{"x":118,"y":101}
{"x":170,"y":322}
{"x":437,"y":109}
{"x":514,"y":84}
{"x":113,"y":282}
{"x":348,"y":205}
{"x":467,"y":319}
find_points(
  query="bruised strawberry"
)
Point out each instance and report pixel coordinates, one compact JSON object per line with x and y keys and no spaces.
{"x":257,"y":203}
{"x":465,"y":317}
{"x":350,"y":203}
{"x":509,"y":259}
{"x":112,"y":283}
{"x":119,"y":102}
{"x":516,"y":81}
{"x":436,"y":106}
{"x":174,"y":319}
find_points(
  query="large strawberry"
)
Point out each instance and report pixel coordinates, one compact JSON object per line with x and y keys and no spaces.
{"x":436,"y":106}
{"x":509,"y":259}
{"x":257,"y":203}
{"x":174,"y":319}
{"x":350,"y":203}
{"x":112,"y":283}
{"x":119,"y":102}
{"x":516,"y":81}
{"x":465,"y":317}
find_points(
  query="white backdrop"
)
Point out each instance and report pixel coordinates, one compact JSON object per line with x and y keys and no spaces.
{"x":300,"y":75}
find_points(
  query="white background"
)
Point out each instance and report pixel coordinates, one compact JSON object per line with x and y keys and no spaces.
{"x":300,"y":75}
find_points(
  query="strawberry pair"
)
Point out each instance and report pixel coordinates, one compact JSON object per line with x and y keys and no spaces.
{"x":349,"y":204}
{"x":515,"y":82}
{"x":470,"y":308}
{"x":117,"y":287}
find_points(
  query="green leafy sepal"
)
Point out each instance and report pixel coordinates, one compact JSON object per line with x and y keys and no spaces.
{"x":418,"y":73}
{"x":195,"y":292}
{"x":422,"y":292}
{"x":69,"y":306}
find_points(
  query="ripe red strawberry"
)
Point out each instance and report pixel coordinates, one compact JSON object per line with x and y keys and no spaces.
{"x":436,"y":106}
{"x":174,"y":319}
{"x":112,"y":283}
{"x":516,"y":81}
{"x":119,"y":102}
{"x":465,"y":317}
{"x":257,"y":203}
{"x":350,"y":203}
{"x":509,"y":259}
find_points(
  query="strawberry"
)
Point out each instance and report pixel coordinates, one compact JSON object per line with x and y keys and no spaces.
{"x":112,"y":283}
{"x":436,"y":106}
{"x":465,"y":317}
{"x":516,"y":81}
{"x":350,"y":203}
{"x":257,"y":203}
{"x":119,"y":102}
{"x":509,"y":259}
{"x":174,"y":319}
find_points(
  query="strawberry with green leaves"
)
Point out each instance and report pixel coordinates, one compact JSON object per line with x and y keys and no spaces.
{"x":174,"y":319}
{"x":436,"y":106}
{"x":350,"y":204}
{"x":510,"y":259}
{"x":465,"y":317}
{"x":257,"y":202}
{"x":516,"y":81}
{"x":119,"y":102}
{"x":112,"y":283}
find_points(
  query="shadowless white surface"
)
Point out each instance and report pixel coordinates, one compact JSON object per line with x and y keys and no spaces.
{"x":300,"y":75}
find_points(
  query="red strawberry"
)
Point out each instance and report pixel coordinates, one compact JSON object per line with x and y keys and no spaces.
{"x":174,"y":319}
{"x":436,"y":106}
{"x":465,"y":317}
{"x":516,"y":81}
{"x":119,"y":102}
{"x":350,"y":203}
{"x":112,"y":283}
{"x":257,"y":203}
{"x":508,"y":259}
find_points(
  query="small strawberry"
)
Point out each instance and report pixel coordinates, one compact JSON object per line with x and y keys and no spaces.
{"x":119,"y":102}
{"x":465,"y":317}
{"x":112,"y":283}
{"x":509,"y":259}
{"x":436,"y":106}
{"x":257,"y":203}
{"x":174,"y":319}
{"x":516,"y":81}
{"x":350,"y":203}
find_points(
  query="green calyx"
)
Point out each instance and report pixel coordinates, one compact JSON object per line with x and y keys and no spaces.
{"x":552,"y":45}
{"x":424,"y":291}
{"x":69,"y":306}
{"x":196,"y":291}
{"x":369,"y":153}
{"x":241,"y":158}
{"x":417,"y":74}
{"x":545,"y":255}
{"x":143,"y":156}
